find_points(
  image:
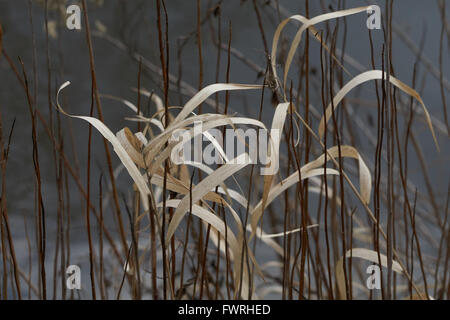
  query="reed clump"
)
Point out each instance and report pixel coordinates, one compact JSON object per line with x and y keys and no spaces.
{"x":193,"y":230}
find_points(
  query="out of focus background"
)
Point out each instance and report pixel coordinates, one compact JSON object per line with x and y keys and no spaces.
{"x":44,"y":185}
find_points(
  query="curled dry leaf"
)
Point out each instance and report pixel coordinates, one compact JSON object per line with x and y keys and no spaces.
{"x":278,"y":189}
{"x":365,"y":254}
{"x":367,"y":76}
{"x":118,"y":149}
{"x":207,"y":184}
{"x":365,"y":178}
{"x":273,"y":150}
{"x":307,"y":23}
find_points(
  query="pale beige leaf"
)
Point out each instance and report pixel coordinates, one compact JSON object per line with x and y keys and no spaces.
{"x":367,"y":76}
{"x":365,"y":178}
{"x":275,"y":191}
{"x":207,"y":91}
{"x":273,"y":151}
{"x":119,"y":150}
{"x":309,"y":23}
{"x":207,"y":184}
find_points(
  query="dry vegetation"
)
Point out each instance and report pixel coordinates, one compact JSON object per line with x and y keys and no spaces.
{"x":202,"y":231}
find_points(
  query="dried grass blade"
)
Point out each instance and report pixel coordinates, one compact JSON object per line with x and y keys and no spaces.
{"x":118,"y":148}
{"x":374,"y":75}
